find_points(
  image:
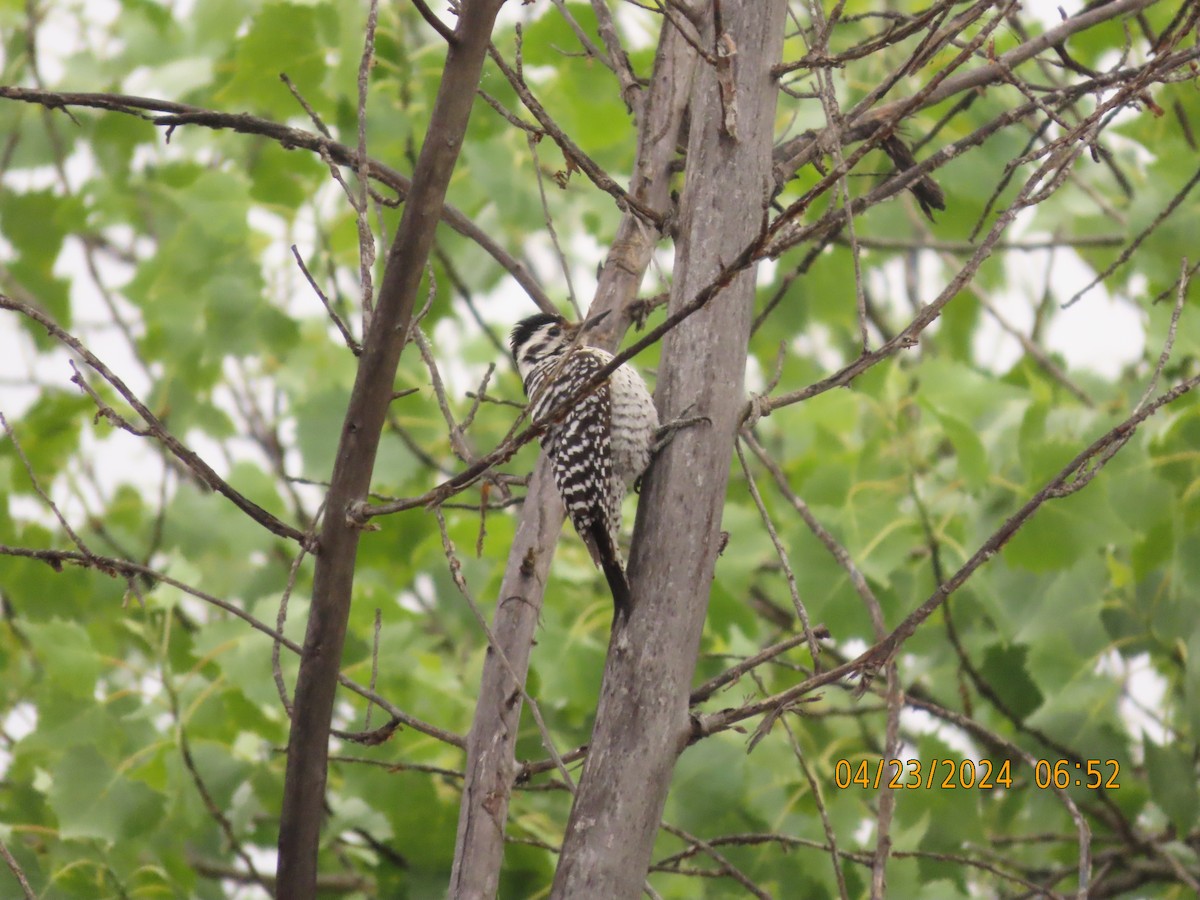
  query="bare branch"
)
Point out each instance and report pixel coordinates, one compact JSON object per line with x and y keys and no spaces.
{"x":177,"y":114}
{"x":800,"y":151}
{"x":366,"y":414}
{"x":781,"y":552}
{"x":881,"y":652}
{"x":37,"y":487}
{"x":1132,"y":246}
{"x":156,"y":428}
{"x":280,"y":621}
{"x":210,"y":805}
{"x":18,"y":872}
{"x":549,"y":220}
{"x":725,"y":867}
{"x":362,"y":168}
{"x":618,"y":59}
{"x":351,"y":343}
{"x":814,"y":785}
{"x":571,"y":151}
{"x":461,"y":583}
{"x":435,"y":23}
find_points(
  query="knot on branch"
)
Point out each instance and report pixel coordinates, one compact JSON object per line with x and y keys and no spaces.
{"x":759,"y":408}
{"x":358,"y":515}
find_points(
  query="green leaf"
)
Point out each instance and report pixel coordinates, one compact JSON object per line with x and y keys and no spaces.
{"x":284,"y":179}
{"x":37,"y":222}
{"x":1172,"y":772}
{"x":93,"y":800}
{"x":49,"y":436}
{"x":1063,"y":530}
{"x":911,"y":466}
{"x":968,"y":450}
{"x":282,"y":38}
{"x":1004,"y":669}
{"x":66,"y":655}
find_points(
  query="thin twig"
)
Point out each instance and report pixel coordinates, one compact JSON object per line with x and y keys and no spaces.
{"x":121,"y":568}
{"x":726,"y":867}
{"x":781,"y":552}
{"x":374,"y":665}
{"x":18,"y":872}
{"x":732,"y":674}
{"x":1133,"y":245}
{"x":457,"y":441}
{"x":839,"y":553}
{"x":550,"y":229}
{"x":618,"y":59}
{"x":214,"y":809}
{"x":585,"y":41}
{"x":1185,"y":273}
{"x":173,"y":114}
{"x":571,"y":151}
{"x":362,"y":168}
{"x":313,"y":117}
{"x":1028,"y":345}
{"x":833,"y":120}
{"x":184,"y":454}
{"x":37,"y":487}
{"x":351,"y":343}
{"x":281,"y":620}
{"x":461,"y":583}
{"x":814,"y":787}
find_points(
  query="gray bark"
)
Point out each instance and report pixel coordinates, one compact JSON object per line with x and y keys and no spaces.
{"x":642,"y":722}
{"x":491,"y":766}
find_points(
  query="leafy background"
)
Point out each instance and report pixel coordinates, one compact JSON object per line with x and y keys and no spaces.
{"x":133,"y":710}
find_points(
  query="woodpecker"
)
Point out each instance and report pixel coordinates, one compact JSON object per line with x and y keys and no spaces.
{"x":599,"y":443}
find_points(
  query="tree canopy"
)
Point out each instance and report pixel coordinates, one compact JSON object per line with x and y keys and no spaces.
{"x":943,"y":540}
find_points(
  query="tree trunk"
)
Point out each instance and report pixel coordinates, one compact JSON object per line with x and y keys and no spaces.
{"x":642,"y":722}
{"x":491,"y":767}
{"x":333,"y":580}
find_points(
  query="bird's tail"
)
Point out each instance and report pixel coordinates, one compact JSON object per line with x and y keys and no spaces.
{"x":608,"y":557}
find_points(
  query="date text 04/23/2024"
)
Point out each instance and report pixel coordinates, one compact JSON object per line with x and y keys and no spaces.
{"x":983,"y":774}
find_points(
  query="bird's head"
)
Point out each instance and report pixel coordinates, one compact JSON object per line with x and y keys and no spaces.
{"x":538,"y":338}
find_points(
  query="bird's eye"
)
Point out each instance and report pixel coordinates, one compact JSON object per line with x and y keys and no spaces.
{"x":555,"y":331}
